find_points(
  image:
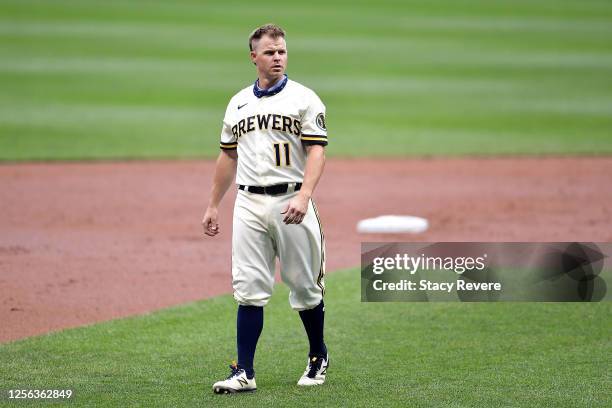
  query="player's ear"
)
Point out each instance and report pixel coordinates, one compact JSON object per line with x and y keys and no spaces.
{"x":253,"y":55}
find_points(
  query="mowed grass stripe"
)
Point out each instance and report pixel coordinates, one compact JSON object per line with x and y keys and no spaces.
{"x":393,"y":354}
{"x":101,"y":65}
{"x":65,"y":114}
{"x":189,"y":39}
{"x":413,"y":72}
{"x":193,"y":11}
{"x":507,"y":60}
{"x":575,"y":26}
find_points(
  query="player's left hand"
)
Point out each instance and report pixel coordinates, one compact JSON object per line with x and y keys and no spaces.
{"x":296,"y":209}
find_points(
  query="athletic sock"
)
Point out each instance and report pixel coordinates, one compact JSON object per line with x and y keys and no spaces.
{"x":249,"y":326}
{"x":314,"y":320}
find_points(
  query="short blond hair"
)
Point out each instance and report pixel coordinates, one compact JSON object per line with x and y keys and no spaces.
{"x":272,"y":30}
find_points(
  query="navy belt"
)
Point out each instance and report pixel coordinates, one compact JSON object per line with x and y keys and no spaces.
{"x":271,"y":190}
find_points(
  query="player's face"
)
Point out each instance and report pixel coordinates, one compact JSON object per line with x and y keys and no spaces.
{"x":270,"y":56}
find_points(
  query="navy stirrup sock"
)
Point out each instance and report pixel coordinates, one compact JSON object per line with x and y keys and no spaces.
{"x":249,"y":326}
{"x":313,"y":320}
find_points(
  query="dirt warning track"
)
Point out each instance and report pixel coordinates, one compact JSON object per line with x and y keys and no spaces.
{"x":81,"y":243}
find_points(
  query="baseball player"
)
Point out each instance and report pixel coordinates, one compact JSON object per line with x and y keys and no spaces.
{"x":272,"y":142}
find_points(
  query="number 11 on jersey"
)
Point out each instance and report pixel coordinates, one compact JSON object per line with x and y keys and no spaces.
{"x":287,"y":154}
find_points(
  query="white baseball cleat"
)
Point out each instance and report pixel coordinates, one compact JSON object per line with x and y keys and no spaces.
{"x":236,"y":382}
{"x":315,"y":371}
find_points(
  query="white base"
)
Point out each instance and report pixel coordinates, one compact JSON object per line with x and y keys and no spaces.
{"x":393,"y":224}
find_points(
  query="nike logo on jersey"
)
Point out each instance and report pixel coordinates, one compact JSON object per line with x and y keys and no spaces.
{"x":265,"y":122}
{"x":242,"y":106}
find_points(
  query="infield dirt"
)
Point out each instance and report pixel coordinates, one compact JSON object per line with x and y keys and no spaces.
{"x":87,"y":242}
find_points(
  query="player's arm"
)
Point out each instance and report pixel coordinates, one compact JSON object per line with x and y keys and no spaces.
{"x":225,"y":172}
{"x":298,"y":206}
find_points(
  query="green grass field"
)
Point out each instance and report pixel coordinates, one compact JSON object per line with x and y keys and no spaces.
{"x":147,"y":79}
{"x":384,"y":354}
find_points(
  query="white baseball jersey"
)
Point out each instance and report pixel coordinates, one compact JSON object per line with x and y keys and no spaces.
{"x":269,"y":131}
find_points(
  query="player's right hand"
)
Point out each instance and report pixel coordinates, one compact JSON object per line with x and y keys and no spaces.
{"x":211,"y":227}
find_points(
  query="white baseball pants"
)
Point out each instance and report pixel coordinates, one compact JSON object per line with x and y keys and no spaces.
{"x":260,"y":236}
